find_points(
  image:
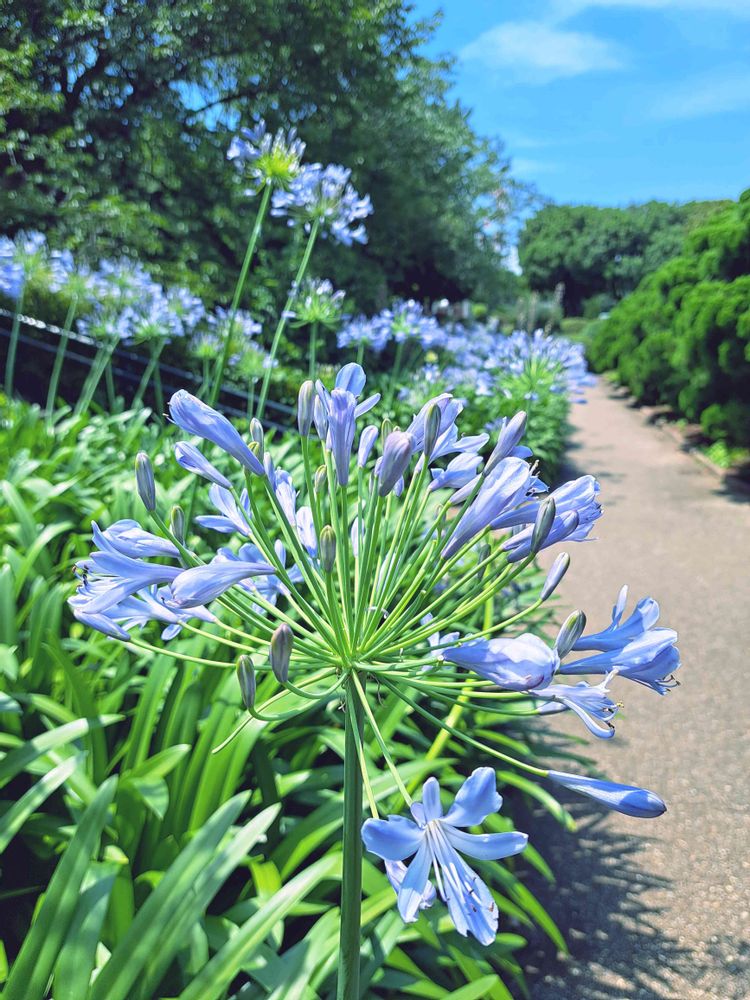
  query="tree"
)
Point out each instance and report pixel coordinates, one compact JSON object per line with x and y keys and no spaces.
{"x":115,"y":118}
{"x":603,"y":251}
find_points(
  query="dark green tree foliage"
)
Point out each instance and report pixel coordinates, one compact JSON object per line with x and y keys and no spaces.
{"x":683,"y":337}
{"x":115,"y":118}
{"x":603,"y":253}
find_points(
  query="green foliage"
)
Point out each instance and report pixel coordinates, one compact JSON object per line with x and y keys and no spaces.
{"x":683,"y":338}
{"x":137,"y":863}
{"x":603,"y":253}
{"x":115,"y":120}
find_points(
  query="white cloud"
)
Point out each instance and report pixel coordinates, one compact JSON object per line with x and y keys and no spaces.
{"x":539,"y":52}
{"x":704,"y":96}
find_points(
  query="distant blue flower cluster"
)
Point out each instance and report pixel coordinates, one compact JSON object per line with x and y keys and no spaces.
{"x":405,"y":320}
{"x":27,"y":257}
{"x":324,"y":195}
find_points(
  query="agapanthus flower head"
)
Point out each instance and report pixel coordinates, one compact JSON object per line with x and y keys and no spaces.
{"x":350,"y":573}
{"x":22,"y":259}
{"x":316,"y":301}
{"x":324,"y":196}
{"x":266,"y":157}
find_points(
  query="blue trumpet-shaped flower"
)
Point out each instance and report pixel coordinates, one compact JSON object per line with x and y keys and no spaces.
{"x":619,"y":633}
{"x":435,"y":842}
{"x":591,"y":703}
{"x":514,"y":664}
{"x":232,"y":516}
{"x":627,"y":799}
{"x":195,"y":417}
{"x":202,"y":584}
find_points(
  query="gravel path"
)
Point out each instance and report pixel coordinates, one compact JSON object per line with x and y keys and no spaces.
{"x":659,"y":908}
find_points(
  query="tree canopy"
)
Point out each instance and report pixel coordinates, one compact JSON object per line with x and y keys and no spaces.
{"x":603,"y":251}
{"x":115,"y":119}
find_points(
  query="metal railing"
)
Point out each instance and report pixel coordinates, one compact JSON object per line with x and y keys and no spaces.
{"x":127,"y":367}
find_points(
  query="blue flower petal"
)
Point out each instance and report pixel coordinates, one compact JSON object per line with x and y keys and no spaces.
{"x":413,"y":887}
{"x":392,"y":839}
{"x":487,"y":846}
{"x":476,"y":798}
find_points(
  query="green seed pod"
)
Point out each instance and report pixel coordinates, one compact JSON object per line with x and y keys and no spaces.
{"x":327,"y":548}
{"x":280,"y":652}
{"x":246,"y":678}
{"x":177,"y":523}
{"x":144,"y":480}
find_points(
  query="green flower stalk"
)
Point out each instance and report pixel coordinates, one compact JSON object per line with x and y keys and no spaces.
{"x":363,"y":574}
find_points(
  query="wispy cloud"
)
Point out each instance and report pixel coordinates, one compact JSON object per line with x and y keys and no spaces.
{"x":706,"y":95}
{"x":538,"y":52}
{"x":563,"y":9}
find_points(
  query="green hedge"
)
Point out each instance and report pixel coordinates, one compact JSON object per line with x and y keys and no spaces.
{"x":683,"y":337}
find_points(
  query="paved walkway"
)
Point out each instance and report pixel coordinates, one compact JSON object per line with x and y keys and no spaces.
{"x":660,"y":908}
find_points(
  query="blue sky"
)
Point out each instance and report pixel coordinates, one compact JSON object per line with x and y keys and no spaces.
{"x":608,"y":101}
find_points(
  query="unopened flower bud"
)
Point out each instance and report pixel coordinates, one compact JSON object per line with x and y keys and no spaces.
{"x":570,"y":633}
{"x":257,"y":433}
{"x":557,"y":571}
{"x":543,"y":524}
{"x":510,"y":434}
{"x":177,"y":523}
{"x":397,"y":452}
{"x":386,"y":427}
{"x":246,"y":678}
{"x":321,"y":479}
{"x":270,"y":468}
{"x":280,"y":652}
{"x":321,"y":419}
{"x":144,"y":480}
{"x":431,"y":430}
{"x":305,"y":402}
{"x":327,"y":548}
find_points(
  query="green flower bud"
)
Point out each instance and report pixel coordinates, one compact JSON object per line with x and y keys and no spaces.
{"x":327,"y":548}
{"x":144,"y":480}
{"x":246,"y":678}
{"x":321,"y":480}
{"x":557,"y":571}
{"x":543,"y":524}
{"x":570,"y":633}
{"x":483,"y":552}
{"x":305,"y":403}
{"x":257,"y":434}
{"x":177,"y":523}
{"x":431,"y":429}
{"x":280,"y":652}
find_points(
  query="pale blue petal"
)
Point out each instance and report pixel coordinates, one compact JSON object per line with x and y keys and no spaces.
{"x":392,"y":839}
{"x":476,"y":798}
{"x":487,"y":846}
{"x":415,"y":884}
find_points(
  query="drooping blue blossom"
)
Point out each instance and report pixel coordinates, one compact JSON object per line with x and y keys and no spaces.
{"x":190,"y":458}
{"x":232,"y":516}
{"x":519,"y":664}
{"x":195,"y":417}
{"x":591,"y":703}
{"x":200,"y":585}
{"x":627,"y":799}
{"x":435,"y":841}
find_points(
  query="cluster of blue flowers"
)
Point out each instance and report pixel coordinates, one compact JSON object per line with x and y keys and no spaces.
{"x":324,"y":196}
{"x":405,"y":320}
{"x":27,"y":257}
{"x":401,"y":535}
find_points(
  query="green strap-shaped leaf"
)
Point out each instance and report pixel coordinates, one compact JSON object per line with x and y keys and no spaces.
{"x":215,"y":977}
{"x":34,"y":965}
{"x":12,"y":821}
{"x":18,"y":759}
{"x":146,"y":934}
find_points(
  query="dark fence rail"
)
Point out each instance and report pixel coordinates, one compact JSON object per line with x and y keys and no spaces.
{"x":37,"y":346}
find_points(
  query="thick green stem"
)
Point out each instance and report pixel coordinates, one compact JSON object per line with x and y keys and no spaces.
{"x":221,"y":364}
{"x":351,"y":881}
{"x":60,"y":356}
{"x":312,"y":349}
{"x":110,"y":383}
{"x":148,"y":371}
{"x":283,"y":319}
{"x":10,"y":361}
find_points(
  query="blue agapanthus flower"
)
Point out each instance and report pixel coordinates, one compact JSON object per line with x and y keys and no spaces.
{"x":435,"y":841}
{"x":266,"y":157}
{"x":324,"y":195}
